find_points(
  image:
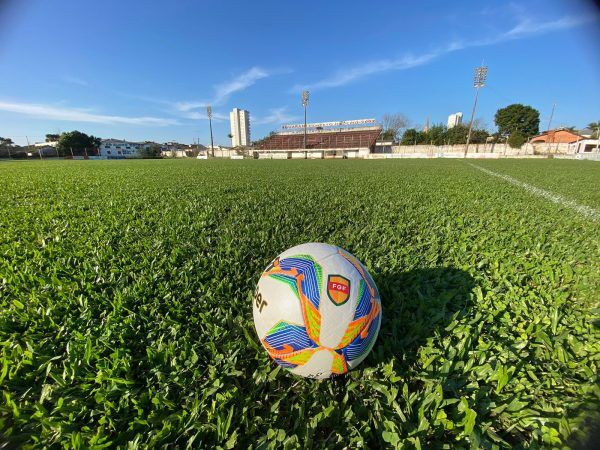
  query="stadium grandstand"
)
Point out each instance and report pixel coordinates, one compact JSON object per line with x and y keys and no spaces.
{"x":345,"y":139}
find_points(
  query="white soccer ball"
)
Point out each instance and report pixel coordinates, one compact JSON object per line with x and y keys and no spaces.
{"x":317,"y":310}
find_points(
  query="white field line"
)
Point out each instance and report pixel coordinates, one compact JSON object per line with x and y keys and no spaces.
{"x":586,"y":211}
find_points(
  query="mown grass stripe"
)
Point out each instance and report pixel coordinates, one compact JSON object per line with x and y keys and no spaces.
{"x":584,"y":210}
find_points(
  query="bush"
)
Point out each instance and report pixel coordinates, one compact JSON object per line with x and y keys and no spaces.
{"x":441,"y":135}
{"x":517,"y":139}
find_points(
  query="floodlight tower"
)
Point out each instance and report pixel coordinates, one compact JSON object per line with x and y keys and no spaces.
{"x":305,"y":95}
{"x":209,"y":114}
{"x":478,"y":83}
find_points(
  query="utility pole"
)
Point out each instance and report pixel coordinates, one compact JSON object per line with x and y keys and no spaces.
{"x":551,"y":116}
{"x":305,"y":96}
{"x":548,"y":132}
{"x":478,"y":83}
{"x":29,"y":147}
{"x":209,"y":114}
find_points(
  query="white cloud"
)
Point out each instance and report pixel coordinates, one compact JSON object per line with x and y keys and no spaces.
{"x":79,"y":115}
{"x":188,"y":106}
{"x":529,"y":27}
{"x":196,"y":115}
{"x":224,"y":90}
{"x":275,"y":116}
{"x":525,"y":27}
{"x":343,"y":77}
{"x":245,"y":80}
{"x":75,"y":80}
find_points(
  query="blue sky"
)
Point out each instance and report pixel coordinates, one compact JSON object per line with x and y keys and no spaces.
{"x":145,"y":70}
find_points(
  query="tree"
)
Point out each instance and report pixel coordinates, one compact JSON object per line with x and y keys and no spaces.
{"x":52,"y":137}
{"x":458,"y":135}
{"x":152,"y":151}
{"x":595,"y":127}
{"x":436,"y":135}
{"x":386,"y":135}
{"x":516,"y":139}
{"x":393,"y":126}
{"x":440,"y":135}
{"x":479,"y":136}
{"x":412,"y":137}
{"x":78,"y":142}
{"x":517,"y":117}
{"x":479,"y":124}
{"x":6,"y":144}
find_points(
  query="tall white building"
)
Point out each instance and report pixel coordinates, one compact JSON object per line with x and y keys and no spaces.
{"x":454,"y":119}
{"x":240,"y":127}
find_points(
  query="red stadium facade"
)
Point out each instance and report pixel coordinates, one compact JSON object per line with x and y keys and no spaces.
{"x":342,"y":142}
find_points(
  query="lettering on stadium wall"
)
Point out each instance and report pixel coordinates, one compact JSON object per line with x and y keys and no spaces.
{"x":329,"y":124}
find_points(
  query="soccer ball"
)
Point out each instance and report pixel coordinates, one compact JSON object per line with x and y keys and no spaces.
{"x":317,"y":310}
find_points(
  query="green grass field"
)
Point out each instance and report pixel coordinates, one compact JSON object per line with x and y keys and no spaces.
{"x":126,"y":318}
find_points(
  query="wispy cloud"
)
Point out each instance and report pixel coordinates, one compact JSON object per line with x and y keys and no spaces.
{"x":530,"y":27}
{"x":525,"y":27}
{"x":79,"y":115}
{"x":75,"y":80}
{"x":196,"y":115}
{"x":224,"y":90}
{"x":346,"y":76}
{"x":275,"y":116}
{"x":239,"y":83}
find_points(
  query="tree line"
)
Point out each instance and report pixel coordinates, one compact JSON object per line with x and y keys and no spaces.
{"x":515,"y":123}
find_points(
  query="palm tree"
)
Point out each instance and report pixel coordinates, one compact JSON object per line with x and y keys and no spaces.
{"x":595,"y":127}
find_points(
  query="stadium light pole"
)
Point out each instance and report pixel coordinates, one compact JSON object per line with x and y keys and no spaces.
{"x":305,"y":95}
{"x":478,"y":83}
{"x":209,"y":114}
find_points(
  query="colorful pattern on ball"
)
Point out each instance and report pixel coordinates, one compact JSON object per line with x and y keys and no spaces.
{"x":292,"y":345}
{"x":303,"y":274}
{"x":289,"y":344}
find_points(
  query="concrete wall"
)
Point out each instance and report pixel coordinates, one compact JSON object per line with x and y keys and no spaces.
{"x":487,"y":151}
{"x":588,"y":156}
{"x":486,"y":155}
{"x":223,"y":153}
{"x":499,"y":149}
